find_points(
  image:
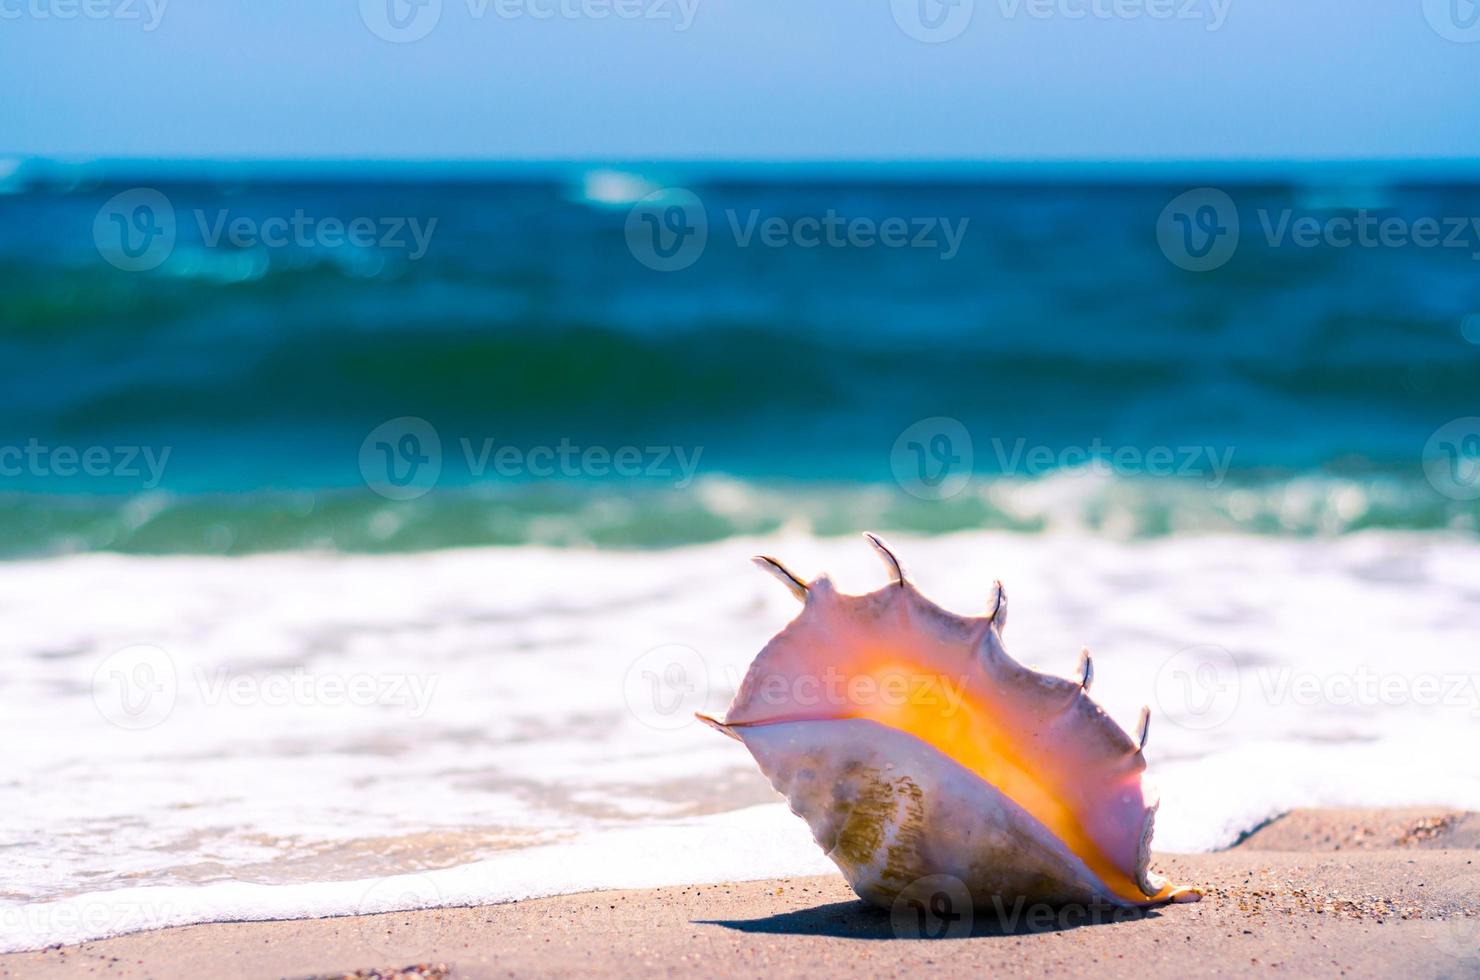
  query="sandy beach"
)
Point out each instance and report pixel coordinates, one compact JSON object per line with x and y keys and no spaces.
{"x":1370,"y":893}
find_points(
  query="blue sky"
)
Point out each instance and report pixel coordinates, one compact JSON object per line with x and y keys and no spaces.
{"x":742,"y":79}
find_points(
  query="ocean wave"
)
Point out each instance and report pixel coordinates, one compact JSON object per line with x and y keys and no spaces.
{"x":611,"y":515}
{"x":528,"y":318}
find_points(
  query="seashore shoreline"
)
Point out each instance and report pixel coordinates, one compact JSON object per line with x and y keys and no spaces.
{"x":1354,"y":893}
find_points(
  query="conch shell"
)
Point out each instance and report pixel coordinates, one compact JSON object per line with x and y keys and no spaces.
{"x":914,"y":746}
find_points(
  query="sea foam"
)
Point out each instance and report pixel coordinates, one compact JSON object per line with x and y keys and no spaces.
{"x":200,"y":739}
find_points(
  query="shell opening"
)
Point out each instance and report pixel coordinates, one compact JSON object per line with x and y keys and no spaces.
{"x":965,"y":729}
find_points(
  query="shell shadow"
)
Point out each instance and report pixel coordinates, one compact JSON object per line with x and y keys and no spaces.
{"x":860,"y":920}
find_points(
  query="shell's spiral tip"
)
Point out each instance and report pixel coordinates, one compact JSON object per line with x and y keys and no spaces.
{"x":1086,"y":670}
{"x":1184,"y":895}
{"x":891,"y":561}
{"x":793,"y":583}
{"x":1143,"y":728}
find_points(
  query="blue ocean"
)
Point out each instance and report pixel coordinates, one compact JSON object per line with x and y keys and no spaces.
{"x":520,"y":319}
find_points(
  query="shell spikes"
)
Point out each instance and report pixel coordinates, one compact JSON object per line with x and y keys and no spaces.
{"x":913,"y":745}
{"x":1143,"y":728}
{"x":896,"y":570}
{"x":771,"y":566}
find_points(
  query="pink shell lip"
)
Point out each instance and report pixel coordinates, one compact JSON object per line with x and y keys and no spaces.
{"x":1065,"y":754}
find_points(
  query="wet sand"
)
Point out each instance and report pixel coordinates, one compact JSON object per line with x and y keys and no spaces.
{"x":1324,"y":893}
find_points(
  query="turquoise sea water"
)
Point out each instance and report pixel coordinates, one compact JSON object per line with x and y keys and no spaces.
{"x":236,"y":384}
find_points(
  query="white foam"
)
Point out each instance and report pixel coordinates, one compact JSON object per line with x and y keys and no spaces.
{"x":509,"y":703}
{"x":758,"y":842}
